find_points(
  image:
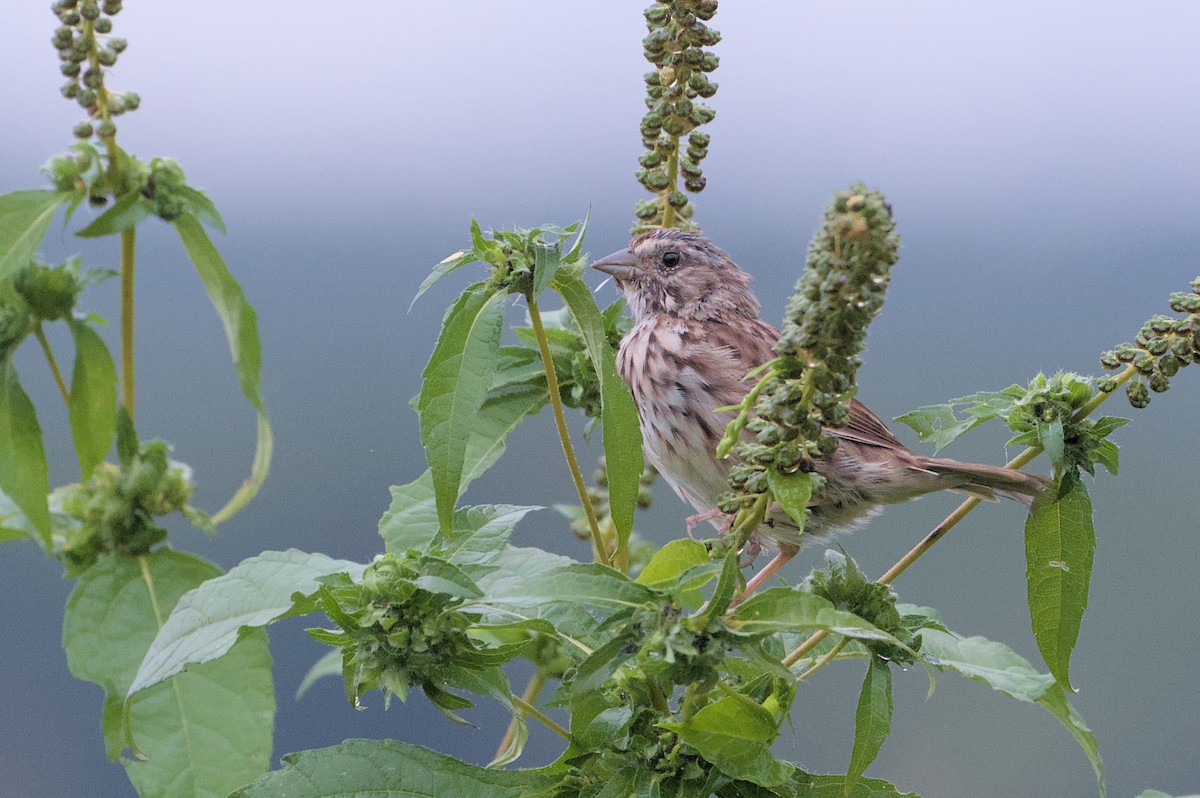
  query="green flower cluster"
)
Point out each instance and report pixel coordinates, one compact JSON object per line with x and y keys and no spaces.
{"x":1164,"y":345}
{"x":397,"y":631}
{"x":809,"y":384}
{"x":673,"y":90}
{"x":85,"y":57}
{"x":847,"y":588}
{"x":114,"y":511}
{"x":50,"y":292}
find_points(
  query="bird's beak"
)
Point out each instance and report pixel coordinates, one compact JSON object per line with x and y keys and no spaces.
{"x":621,"y":265}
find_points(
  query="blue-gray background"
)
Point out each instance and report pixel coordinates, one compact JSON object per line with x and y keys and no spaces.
{"x":1043,"y":164}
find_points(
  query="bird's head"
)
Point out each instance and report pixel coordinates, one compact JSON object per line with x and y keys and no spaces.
{"x":682,"y":274}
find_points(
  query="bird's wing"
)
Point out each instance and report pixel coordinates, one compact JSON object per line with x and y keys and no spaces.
{"x":866,"y":428}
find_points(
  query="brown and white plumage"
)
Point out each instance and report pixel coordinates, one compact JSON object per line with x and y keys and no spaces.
{"x":696,"y":334}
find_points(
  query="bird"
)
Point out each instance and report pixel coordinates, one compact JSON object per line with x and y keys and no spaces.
{"x":696,"y":334}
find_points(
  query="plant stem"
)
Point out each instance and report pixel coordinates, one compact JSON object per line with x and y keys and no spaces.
{"x":672,"y":180}
{"x":598,"y":544}
{"x":543,"y":717}
{"x":58,"y":377}
{"x":128,"y":243}
{"x":960,"y":512}
{"x":536,"y":682}
{"x":825,"y":660}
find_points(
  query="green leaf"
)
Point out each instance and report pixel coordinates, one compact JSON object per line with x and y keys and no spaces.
{"x":785,"y":609}
{"x":444,"y":267}
{"x":1050,"y":438}
{"x":454,"y":386}
{"x":241,"y":329}
{"x":197,"y":204}
{"x":24,"y":474}
{"x":671,"y":562}
{"x":93,"y":405}
{"x":622,"y":435}
{"x":546,"y":261}
{"x":128,"y":211}
{"x":727,"y":585}
{"x":229,"y":704}
{"x":591,"y":585}
{"x":793,"y":492}
{"x":24,"y":219}
{"x":477,"y":533}
{"x":808,"y":785}
{"x":383,"y":768}
{"x":1005,"y":671}
{"x":1059,"y":545}
{"x":209,"y":620}
{"x":940,"y":423}
{"x":872,"y":720}
{"x":735,"y":736}
{"x":1158,"y":794}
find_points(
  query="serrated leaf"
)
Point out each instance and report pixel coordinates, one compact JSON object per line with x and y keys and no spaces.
{"x":24,"y":219}
{"x":1059,"y":546}
{"x":872,"y":720}
{"x":592,"y":585}
{"x":1005,"y":671}
{"x":727,"y":585}
{"x":111,"y":617}
{"x":735,"y":736}
{"x":208,"y":621}
{"x":454,"y":386}
{"x":793,"y":492}
{"x":1050,"y":438}
{"x":241,"y":330}
{"x":92,"y":408}
{"x":24,"y":474}
{"x":621,"y":432}
{"x":383,"y":768}
{"x":808,"y":785}
{"x":128,"y":211}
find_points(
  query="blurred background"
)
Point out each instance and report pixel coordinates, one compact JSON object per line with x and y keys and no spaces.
{"x":1042,"y":162}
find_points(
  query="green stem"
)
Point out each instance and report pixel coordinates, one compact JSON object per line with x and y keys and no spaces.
{"x":598,"y":543}
{"x":128,"y":243}
{"x":672,"y":180}
{"x":58,"y":377}
{"x":960,"y":512}
{"x":823,"y":661}
{"x":536,"y":682}
{"x":542,"y":716}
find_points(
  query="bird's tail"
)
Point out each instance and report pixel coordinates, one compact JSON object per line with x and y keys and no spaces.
{"x":986,"y":481}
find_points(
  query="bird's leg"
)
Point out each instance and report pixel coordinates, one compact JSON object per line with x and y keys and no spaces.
{"x":693,"y":521}
{"x":778,"y":561}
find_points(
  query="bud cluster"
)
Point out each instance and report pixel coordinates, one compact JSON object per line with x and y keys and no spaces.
{"x":809,"y":384}
{"x":847,"y":588}
{"x":394,"y":634}
{"x":114,"y":511}
{"x":86,"y":51}
{"x":35,"y":294}
{"x":1164,"y":345}
{"x":678,"y":34}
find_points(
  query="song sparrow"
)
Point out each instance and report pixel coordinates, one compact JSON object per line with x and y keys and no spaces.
{"x":696,"y":334}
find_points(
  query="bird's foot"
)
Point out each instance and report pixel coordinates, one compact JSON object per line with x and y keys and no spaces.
{"x":693,"y":521}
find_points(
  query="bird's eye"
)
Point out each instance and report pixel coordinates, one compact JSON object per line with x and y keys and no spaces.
{"x":670,"y":259}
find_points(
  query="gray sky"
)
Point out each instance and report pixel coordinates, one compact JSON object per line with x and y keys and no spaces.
{"x":1042,"y":159}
